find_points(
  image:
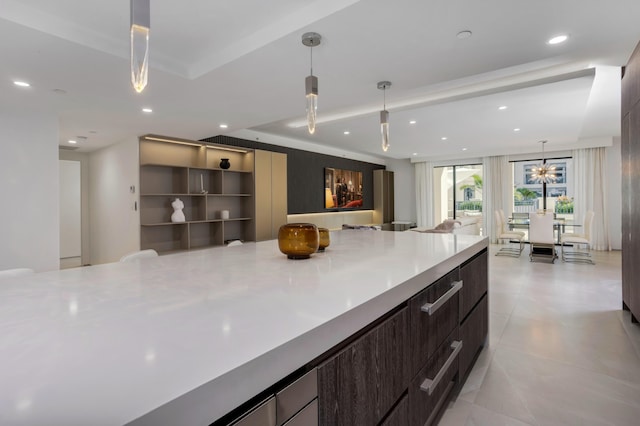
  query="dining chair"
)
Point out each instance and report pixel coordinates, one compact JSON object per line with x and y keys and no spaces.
{"x":503,"y":233}
{"x":16,"y":272}
{"x":141,"y":254}
{"x":541,"y":237}
{"x":577,"y":240}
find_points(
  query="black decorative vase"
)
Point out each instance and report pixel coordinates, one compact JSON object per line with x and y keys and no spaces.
{"x":224,"y":163}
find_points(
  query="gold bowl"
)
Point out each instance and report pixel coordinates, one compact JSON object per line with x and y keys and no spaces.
{"x":324,"y":239}
{"x":298,"y":240}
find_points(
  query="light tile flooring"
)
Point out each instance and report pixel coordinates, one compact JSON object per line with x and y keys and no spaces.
{"x":561,"y":350}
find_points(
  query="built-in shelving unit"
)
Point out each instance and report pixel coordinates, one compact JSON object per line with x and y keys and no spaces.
{"x":173,"y":168}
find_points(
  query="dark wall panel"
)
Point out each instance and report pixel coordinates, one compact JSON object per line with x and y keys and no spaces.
{"x":305,"y":174}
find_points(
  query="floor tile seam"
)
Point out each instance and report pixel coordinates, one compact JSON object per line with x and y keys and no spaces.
{"x":516,"y":389}
{"x":632,"y":340}
{"x":628,"y":383}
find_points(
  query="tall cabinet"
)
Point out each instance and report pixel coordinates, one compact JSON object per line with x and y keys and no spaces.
{"x":631,"y":186}
{"x":271,"y":193}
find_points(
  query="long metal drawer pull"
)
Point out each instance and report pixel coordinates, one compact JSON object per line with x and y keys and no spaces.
{"x":431,"y":308}
{"x":430,"y":384}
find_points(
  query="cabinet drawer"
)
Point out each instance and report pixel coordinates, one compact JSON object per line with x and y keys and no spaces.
{"x":263,"y":415}
{"x":360,"y":384}
{"x":473,"y":332}
{"x":400,"y":414}
{"x":474,"y":274}
{"x":433,"y":315}
{"x":429,"y":389}
{"x":294,"y":397}
{"x":306,"y":417}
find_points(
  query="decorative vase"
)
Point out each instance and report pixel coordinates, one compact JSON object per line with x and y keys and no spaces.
{"x":224,"y":163}
{"x":298,"y":240}
{"x":324,"y":239}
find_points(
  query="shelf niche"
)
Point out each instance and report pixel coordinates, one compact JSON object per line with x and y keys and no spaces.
{"x":173,"y":168}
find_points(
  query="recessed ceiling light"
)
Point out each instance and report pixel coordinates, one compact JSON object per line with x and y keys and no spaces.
{"x":72,"y":141}
{"x":558,"y":39}
{"x":147,"y":110}
{"x":224,"y":126}
{"x":502,"y":108}
{"x":464,"y":149}
{"x":413,"y":122}
{"x":415,"y":153}
{"x":517,"y":129}
{"x":346,"y":132}
{"x":464,"y":34}
{"x":444,"y":138}
{"x":21,"y":83}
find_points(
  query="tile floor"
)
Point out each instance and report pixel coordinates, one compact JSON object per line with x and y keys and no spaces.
{"x":561,"y":351}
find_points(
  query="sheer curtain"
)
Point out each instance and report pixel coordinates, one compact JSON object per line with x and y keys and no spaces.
{"x":423,"y":173}
{"x":497,"y":192}
{"x":590,"y":176}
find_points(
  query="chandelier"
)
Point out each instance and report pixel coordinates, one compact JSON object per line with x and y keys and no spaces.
{"x":543,"y":172}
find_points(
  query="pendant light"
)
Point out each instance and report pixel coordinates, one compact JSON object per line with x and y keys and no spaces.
{"x":311,"y":82}
{"x":384,"y":115}
{"x":140,"y":24}
{"x":544,"y":173}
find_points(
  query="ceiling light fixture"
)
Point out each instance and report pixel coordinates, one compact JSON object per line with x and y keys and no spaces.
{"x":140,"y":24}
{"x":543,"y":172}
{"x":558,"y":39}
{"x":72,"y":141}
{"x":147,"y":110}
{"x":517,"y":129}
{"x":311,"y":82}
{"x":444,"y":138}
{"x":413,"y":122}
{"x":502,"y":108}
{"x":346,"y":132}
{"x":464,"y":34}
{"x":224,"y":126}
{"x":384,"y":115}
{"x":21,"y":83}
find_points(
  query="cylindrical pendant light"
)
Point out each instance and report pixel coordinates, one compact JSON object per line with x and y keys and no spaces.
{"x":140,"y":24}
{"x":384,"y":115}
{"x":311,"y":83}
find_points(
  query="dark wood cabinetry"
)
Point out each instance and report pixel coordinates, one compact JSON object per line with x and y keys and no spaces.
{"x":403,"y":371}
{"x":631,"y":186}
{"x":360,"y":384}
{"x":431,"y":323}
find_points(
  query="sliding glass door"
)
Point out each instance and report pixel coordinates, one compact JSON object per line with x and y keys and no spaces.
{"x":457,"y":191}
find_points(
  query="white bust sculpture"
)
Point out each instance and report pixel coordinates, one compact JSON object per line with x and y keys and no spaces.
{"x":178,"y":215}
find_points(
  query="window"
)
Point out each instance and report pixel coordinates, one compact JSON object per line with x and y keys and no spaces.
{"x":457,"y":191}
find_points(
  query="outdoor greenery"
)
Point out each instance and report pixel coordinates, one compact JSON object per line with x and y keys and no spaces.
{"x":476,"y":185}
{"x":564,"y":204}
{"x":469,"y":205}
{"x":522,"y":194}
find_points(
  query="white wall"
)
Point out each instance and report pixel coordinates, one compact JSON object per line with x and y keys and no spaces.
{"x":29,"y":186}
{"x":115,"y":222}
{"x":614,"y":193}
{"x":404,"y":190}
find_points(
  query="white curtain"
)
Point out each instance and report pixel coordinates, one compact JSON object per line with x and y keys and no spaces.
{"x":497,"y":192}
{"x":591,"y":193}
{"x":423,"y":173}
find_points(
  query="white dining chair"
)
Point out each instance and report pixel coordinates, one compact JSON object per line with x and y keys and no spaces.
{"x":16,"y":272}
{"x":541,"y":238}
{"x":577,"y":240}
{"x":504,"y":233}
{"x":141,"y":254}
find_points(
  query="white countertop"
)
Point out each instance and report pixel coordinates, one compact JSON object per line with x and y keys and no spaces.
{"x":197,"y":333}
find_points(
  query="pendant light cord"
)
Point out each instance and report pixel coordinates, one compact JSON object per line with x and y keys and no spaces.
{"x":384,"y":98}
{"x":311,"y":49}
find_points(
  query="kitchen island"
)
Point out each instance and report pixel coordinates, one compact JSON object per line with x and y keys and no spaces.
{"x":186,"y":338}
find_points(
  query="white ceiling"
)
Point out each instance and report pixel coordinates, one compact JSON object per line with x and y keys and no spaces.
{"x":241,"y":62}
